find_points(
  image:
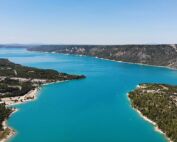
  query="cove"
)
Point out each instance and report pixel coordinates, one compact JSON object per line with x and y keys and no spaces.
{"x":95,"y":109}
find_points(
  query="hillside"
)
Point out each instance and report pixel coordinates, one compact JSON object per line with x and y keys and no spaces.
{"x":19,"y":84}
{"x":158,"y":55}
{"x":158,"y":102}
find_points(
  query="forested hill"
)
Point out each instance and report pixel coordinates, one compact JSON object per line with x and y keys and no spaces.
{"x":10,"y":69}
{"x":159,"y":55}
{"x":158,"y":102}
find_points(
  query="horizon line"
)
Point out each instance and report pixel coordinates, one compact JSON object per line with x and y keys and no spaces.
{"x":80,"y":44}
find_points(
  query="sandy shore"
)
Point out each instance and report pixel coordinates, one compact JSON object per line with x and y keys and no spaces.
{"x":54,"y":82}
{"x":11,"y":131}
{"x":9,"y":136}
{"x":32,"y":95}
{"x":157,"y":129}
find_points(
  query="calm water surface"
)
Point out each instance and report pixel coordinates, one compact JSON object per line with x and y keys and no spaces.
{"x":95,"y":109}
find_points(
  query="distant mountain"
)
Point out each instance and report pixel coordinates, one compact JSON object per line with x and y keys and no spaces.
{"x":158,"y":55}
{"x":17,"y":45}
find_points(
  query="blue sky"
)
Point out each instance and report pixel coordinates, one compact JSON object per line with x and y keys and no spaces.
{"x":88,"y":21}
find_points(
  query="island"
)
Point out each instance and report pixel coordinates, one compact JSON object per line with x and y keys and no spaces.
{"x":19,"y":84}
{"x":157,"y":103}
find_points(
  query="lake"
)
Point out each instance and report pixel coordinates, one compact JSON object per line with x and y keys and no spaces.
{"x":95,"y":109}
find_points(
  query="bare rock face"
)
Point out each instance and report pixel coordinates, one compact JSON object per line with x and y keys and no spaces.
{"x":159,"y":55}
{"x":173,"y":64}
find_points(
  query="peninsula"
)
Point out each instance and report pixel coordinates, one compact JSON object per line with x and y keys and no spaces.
{"x":19,"y":84}
{"x":157,"y":103}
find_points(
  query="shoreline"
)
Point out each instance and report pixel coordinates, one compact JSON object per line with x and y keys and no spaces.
{"x":141,"y":64}
{"x":156,"y":128}
{"x":12,"y":132}
{"x":54,"y":82}
{"x":20,"y":84}
{"x":79,"y":55}
{"x":28,"y":97}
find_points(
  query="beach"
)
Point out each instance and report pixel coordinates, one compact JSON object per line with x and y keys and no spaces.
{"x":31,"y":95}
{"x":11,"y":101}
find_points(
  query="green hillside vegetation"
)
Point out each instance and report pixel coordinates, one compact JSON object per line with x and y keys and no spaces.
{"x":158,"y":102}
{"x":17,"y":80}
{"x":13,"y":88}
{"x":4,"y":114}
{"x":10,"y":69}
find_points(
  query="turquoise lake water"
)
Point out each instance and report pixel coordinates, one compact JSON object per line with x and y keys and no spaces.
{"x":95,"y":109}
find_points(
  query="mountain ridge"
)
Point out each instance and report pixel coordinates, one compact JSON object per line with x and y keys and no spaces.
{"x":157,"y":55}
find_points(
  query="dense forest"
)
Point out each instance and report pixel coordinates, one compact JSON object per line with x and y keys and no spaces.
{"x":10,"y":69}
{"x":4,"y":114}
{"x":158,"y":102}
{"x":13,"y":88}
